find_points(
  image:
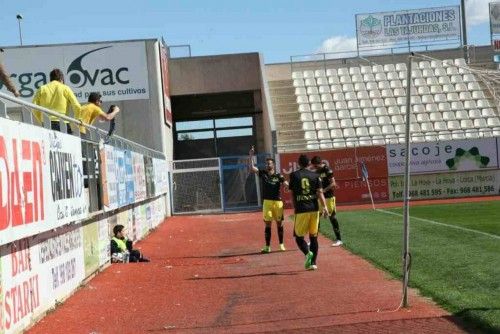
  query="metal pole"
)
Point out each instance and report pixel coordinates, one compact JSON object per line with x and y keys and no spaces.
{"x":464,"y":30}
{"x":406,"y":192}
{"x":20,"y":33}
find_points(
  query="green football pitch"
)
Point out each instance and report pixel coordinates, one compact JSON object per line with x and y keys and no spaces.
{"x":455,"y":251}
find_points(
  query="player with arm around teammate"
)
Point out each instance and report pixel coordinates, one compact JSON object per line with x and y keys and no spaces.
{"x":329,"y":184}
{"x":307,"y":191}
{"x":272,"y":207}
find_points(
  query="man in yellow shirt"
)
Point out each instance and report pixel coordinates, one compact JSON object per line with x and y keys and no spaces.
{"x":92,"y":110}
{"x":56,"y":96}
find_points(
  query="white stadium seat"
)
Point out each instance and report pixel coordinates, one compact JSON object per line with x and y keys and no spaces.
{"x":304,"y":108}
{"x":308,"y":126}
{"x":315,"y":107}
{"x":308,"y":135}
{"x":436,"y":63}
{"x":360,"y":86}
{"x":457,"y":105}
{"x":323,"y":134}
{"x":323,"y":81}
{"x":319,"y":73}
{"x":461,"y":115}
{"x":310,"y":82}
{"x":356,"y":113}
{"x":331,"y":115}
{"x":358,"y":122}
{"x":368,"y":112}
{"x":366,"y":69}
{"x":375,"y":94}
{"x":483,"y":103}
{"x":493,"y":121}
{"x":328,"y":106}
{"x":333,"y":80}
{"x":346,"y":123}
{"x":345,"y":79}
{"x":298,"y":83}
{"x":454,"y":125}
{"x":431,"y":107}
{"x":371,"y":121}
{"x":488,"y":112}
{"x":343,"y":71}
{"x":300,"y":91}
{"x":437,"y":89}
{"x":331,"y":72}
{"x":334,"y":124}
{"x":470,"y":104}
{"x":465,"y":96}
{"x":326,"y":98}
{"x":354,"y":70}
{"x":321,"y":125}
{"x":312,"y":90}
{"x":319,"y":116}
{"x":353,"y":104}
{"x":435,"y":117}
{"x":344,"y":113}
{"x":480,"y":123}
{"x":478,"y":94}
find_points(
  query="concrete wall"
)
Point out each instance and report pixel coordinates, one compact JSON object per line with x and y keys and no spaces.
{"x":215,"y":74}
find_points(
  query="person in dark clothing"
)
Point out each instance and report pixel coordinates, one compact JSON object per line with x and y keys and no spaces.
{"x":121,"y":247}
{"x":272,"y":207}
{"x":329,"y":184}
{"x":307,"y":190}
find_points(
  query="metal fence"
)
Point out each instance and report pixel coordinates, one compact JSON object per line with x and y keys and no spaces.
{"x":215,"y":185}
{"x":22,"y":111}
{"x":390,"y":54}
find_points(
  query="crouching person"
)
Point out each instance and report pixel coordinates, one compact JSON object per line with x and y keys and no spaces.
{"x":121,"y":247}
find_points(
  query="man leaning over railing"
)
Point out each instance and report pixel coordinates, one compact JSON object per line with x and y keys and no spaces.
{"x":4,"y":78}
{"x":92,"y":111}
{"x":56,"y":96}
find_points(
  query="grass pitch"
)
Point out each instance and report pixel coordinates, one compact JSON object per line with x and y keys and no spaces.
{"x":455,"y":251}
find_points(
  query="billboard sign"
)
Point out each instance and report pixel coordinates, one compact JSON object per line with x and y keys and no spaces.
{"x":416,"y":25}
{"x":41,"y":180}
{"x":444,"y":156}
{"x":165,"y":80}
{"x":346,"y":166}
{"x":117,"y":70}
{"x":495,"y":17}
{"x":447,"y":185}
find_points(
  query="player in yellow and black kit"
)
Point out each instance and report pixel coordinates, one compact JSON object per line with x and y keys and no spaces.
{"x":328,"y":181}
{"x":272,"y":207}
{"x":306,"y":188}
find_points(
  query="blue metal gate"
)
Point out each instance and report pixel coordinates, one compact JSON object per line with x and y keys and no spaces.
{"x":240,"y":188}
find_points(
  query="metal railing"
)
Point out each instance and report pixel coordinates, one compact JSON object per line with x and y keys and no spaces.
{"x":356,"y":57}
{"x":90,"y":142}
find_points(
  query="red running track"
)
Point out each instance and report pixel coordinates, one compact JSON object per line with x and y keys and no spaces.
{"x":206,"y":276}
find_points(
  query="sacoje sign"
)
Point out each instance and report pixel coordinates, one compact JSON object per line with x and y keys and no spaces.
{"x":457,"y":155}
{"x":118,"y":71}
{"x":41,"y":180}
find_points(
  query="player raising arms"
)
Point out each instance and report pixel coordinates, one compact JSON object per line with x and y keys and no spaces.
{"x":326,"y":175}
{"x":272,"y":208}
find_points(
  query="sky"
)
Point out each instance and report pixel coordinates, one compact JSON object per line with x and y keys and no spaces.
{"x":277,"y":28}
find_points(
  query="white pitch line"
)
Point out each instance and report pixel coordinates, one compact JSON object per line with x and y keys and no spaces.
{"x":443,"y":224}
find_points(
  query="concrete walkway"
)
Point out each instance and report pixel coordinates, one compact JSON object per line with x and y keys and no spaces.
{"x":207,"y":276}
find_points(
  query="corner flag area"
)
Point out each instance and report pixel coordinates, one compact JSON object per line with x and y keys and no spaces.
{"x":207,"y":275}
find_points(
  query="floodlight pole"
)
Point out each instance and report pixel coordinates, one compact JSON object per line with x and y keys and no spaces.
{"x":406,"y":191}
